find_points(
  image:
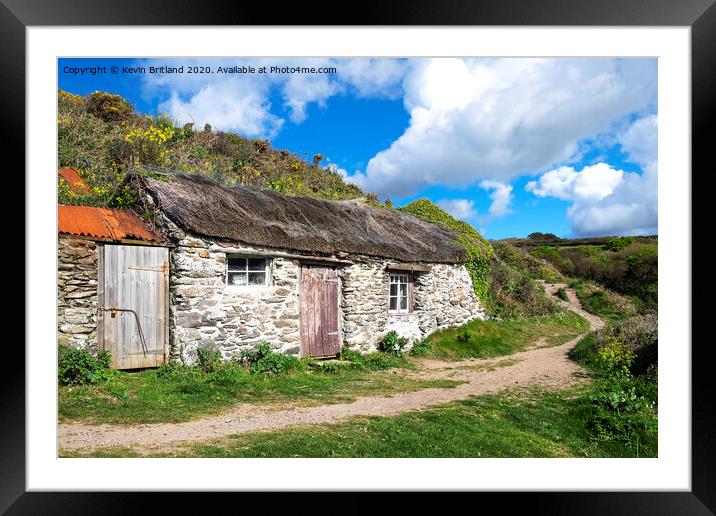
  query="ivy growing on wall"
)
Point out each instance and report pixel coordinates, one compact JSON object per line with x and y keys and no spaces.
{"x":478,"y":251}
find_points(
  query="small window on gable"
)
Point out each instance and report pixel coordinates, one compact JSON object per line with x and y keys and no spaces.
{"x":243,"y":271}
{"x":400,"y":298}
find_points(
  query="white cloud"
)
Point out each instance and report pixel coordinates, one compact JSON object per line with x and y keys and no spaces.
{"x":237,"y":107}
{"x":592,"y":183}
{"x":502,"y":118}
{"x":240,"y":102}
{"x":459,"y":208}
{"x":606,"y":201}
{"x":501,"y":197}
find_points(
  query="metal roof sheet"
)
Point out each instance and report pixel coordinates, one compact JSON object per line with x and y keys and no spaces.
{"x":73,"y":179}
{"x":105,"y":223}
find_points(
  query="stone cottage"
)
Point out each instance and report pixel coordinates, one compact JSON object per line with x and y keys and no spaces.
{"x":302,"y":274}
{"x":231,"y":267}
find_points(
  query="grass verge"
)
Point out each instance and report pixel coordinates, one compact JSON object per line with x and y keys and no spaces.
{"x":520,"y":423}
{"x":492,"y":338}
{"x":151,"y":397}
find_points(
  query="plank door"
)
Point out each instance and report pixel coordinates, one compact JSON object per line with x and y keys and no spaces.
{"x":134,"y":305}
{"x":320,"y":333}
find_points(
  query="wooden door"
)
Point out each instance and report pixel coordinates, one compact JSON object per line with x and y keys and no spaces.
{"x":134,"y":305}
{"x":320,"y":332}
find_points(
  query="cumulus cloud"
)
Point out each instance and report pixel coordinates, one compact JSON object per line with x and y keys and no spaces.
{"x":502,"y":118}
{"x":501,"y":197}
{"x":240,"y":102}
{"x":592,"y":183}
{"x":608,"y":201}
{"x":459,"y":208}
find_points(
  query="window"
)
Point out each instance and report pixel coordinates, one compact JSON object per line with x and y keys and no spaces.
{"x":400,"y":299}
{"x":247,"y":271}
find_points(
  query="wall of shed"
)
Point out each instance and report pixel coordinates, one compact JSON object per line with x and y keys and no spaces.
{"x":443,"y":298}
{"x":204,"y":311}
{"x":77,"y":293}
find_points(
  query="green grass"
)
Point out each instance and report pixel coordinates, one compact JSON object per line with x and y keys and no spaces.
{"x":520,"y":423}
{"x":143,"y":397}
{"x":492,"y":338}
{"x":598,"y":301}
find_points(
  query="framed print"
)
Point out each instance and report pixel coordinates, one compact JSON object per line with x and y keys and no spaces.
{"x":417,"y":253}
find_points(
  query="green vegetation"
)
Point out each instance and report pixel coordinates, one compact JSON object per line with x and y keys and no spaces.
{"x":562,"y":294}
{"x":175,"y":392}
{"x":393,"y":344}
{"x":520,"y":423}
{"x":80,"y":367}
{"x":623,"y":403}
{"x":486,"y":339}
{"x":603,"y":302}
{"x":478,"y":251}
{"x":103,"y":137}
{"x":626,"y":265}
{"x":512,"y":285}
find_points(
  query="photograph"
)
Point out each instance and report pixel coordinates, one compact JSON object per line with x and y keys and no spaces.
{"x":357,"y":257}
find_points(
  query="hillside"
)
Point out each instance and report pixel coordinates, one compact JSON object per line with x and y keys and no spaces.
{"x":626,"y":265}
{"x":103,"y":137}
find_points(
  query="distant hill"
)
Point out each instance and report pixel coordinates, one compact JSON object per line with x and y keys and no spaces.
{"x":102,"y":136}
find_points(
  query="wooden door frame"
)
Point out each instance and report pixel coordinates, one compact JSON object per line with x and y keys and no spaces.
{"x":100,"y":296}
{"x":339,"y":319}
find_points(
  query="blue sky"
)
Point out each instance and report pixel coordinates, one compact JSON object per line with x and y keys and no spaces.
{"x":513,"y":146}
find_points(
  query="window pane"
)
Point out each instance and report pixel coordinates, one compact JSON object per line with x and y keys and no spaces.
{"x":404,"y":289}
{"x":257,"y":278}
{"x":394,"y":290}
{"x":237,"y":264}
{"x":403,"y":279}
{"x":403,"y":303}
{"x":237,"y":278}
{"x":393,"y":303}
{"x":257,"y":264}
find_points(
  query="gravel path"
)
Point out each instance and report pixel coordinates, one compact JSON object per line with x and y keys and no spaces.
{"x":547,"y":367}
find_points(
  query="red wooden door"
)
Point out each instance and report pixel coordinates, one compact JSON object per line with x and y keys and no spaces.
{"x":320,"y":333}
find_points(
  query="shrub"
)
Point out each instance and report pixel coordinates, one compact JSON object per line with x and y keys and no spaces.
{"x":208,"y":359}
{"x":108,"y":107}
{"x":264,"y":360}
{"x":562,"y":294}
{"x":79,"y":367}
{"x":624,"y":407}
{"x":464,"y":335}
{"x":617,"y":243}
{"x":421,"y":348}
{"x":392,"y":343}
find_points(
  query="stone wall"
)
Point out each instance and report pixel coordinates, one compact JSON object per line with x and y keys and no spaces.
{"x":77,"y":293}
{"x":443,"y":297}
{"x":204,"y":311}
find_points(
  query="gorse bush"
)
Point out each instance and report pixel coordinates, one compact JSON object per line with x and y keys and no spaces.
{"x":623,"y":406}
{"x":79,"y":367}
{"x":102,"y":135}
{"x":392,"y":343}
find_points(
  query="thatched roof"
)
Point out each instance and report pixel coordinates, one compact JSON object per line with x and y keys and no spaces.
{"x":269,"y":219}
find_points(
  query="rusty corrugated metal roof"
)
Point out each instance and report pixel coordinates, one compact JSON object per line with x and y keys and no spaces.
{"x":73,"y":179}
{"x":103,"y":223}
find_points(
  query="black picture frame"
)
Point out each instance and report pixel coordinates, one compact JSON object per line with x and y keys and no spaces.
{"x":700,"y":15}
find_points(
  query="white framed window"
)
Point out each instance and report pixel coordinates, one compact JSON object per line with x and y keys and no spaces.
{"x":243,"y":271}
{"x":400,"y":294}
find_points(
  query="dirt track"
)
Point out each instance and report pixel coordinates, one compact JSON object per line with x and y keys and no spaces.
{"x":547,"y":367}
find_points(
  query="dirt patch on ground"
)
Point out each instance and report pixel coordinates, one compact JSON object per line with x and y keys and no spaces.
{"x":547,"y":367}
